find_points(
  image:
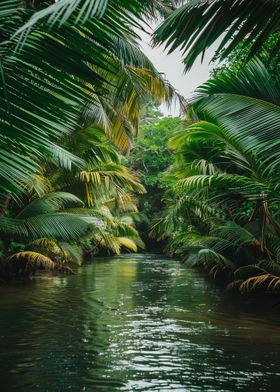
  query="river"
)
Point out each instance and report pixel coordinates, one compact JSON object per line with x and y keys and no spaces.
{"x":134,"y":323}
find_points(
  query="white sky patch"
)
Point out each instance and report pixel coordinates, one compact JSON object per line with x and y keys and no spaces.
{"x":171,"y":65}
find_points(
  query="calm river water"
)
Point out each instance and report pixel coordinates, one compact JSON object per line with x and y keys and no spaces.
{"x":134,"y":323}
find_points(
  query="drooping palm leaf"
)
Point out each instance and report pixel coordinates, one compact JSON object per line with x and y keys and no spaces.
{"x":59,"y":226}
{"x":50,"y":203}
{"x":197,"y":24}
{"x":252,"y":123}
{"x":47,"y":217}
{"x":32,"y":259}
{"x":60,"y":67}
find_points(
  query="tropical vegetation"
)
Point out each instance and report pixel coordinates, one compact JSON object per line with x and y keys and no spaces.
{"x":222,"y":190}
{"x":73,"y":81}
{"x":150,"y":157}
{"x":222,"y":205}
{"x":88,"y":161}
{"x":242,"y":24}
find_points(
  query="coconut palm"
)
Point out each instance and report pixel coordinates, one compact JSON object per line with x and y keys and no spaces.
{"x":52,"y":231}
{"x":33,"y":236}
{"x":107,"y":187}
{"x":73,"y":80}
{"x":224,"y":209}
{"x":65,"y":56}
{"x":49,"y":217}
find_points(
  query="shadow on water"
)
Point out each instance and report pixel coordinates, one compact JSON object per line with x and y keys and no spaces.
{"x":135,"y":323}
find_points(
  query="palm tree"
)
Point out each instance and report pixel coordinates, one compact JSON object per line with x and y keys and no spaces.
{"x":106,"y":186}
{"x":41,"y":231}
{"x":65,"y":57}
{"x":54,"y":230}
{"x":225,"y":211}
{"x":197,"y":24}
{"x":73,"y":80}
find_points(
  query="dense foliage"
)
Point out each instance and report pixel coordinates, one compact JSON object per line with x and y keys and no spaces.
{"x":197,"y":24}
{"x":76,"y":92}
{"x":237,"y":58}
{"x":149,"y":158}
{"x":223,"y":206}
{"x":73,"y":80}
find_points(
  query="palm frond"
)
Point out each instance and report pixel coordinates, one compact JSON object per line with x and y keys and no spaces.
{"x":107,"y":178}
{"x":39,"y":185}
{"x":197,"y":24}
{"x":253,"y":98}
{"x":234,"y":234}
{"x":47,"y":244}
{"x":266,"y":282}
{"x":59,"y":13}
{"x":127,"y":243}
{"x":58,"y":226}
{"x":71,"y":252}
{"x":32,"y":259}
{"x":44,"y":102}
{"x":249,"y":271}
{"x":50,"y":203}
{"x":115,"y":244}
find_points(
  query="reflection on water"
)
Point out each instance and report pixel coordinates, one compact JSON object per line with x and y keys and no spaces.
{"x":133,"y":323}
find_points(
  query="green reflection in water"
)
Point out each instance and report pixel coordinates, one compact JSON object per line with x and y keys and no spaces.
{"x":134,"y":323}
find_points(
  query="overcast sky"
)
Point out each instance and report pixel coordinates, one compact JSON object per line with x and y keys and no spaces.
{"x":171,"y":65}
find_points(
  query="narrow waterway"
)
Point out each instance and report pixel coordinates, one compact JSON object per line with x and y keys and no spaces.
{"x":134,"y":323}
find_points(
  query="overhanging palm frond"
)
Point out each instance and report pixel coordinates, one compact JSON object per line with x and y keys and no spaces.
{"x":32,"y":259}
{"x":58,"y":226}
{"x":244,"y":112}
{"x":107,"y":178}
{"x":43,"y":103}
{"x":265,"y":282}
{"x":47,"y":217}
{"x":47,"y":245}
{"x":254,"y":80}
{"x":252,"y":123}
{"x":225,"y":182}
{"x":61,"y":251}
{"x":50,"y":203}
{"x":115,"y":244}
{"x":71,"y":252}
{"x":135,"y":83}
{"x":233,"y":235}
{"x":196,"y":25}
{"x":79,"y":11}
{"x":210,"y":148}
{"x":38,"y":184}
{"x":127,"y":243}
{"x":63,"y":158}
{"x":59,"y":13}
{"x":205,"y":255}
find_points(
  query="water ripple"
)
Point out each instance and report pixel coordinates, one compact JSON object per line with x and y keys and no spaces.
{"x":134,"y":323}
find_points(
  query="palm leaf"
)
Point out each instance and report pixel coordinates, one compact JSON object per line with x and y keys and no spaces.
{"x":266,"y":282}
{"x":50,"y":203}
{"x":51,"y":87}
{"x":197,"y":24}
{"x":32,"y":259}
{"x":71,"y":252}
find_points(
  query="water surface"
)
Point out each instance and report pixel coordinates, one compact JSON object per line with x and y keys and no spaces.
{"x":134,"y":323}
